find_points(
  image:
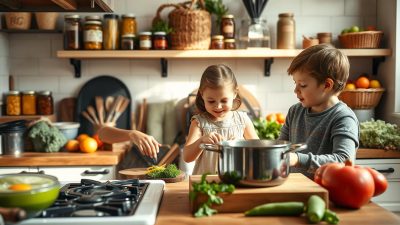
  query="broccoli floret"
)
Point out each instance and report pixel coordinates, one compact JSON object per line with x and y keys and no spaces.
{"x":171,"y":171}
{"x":46,"y":138}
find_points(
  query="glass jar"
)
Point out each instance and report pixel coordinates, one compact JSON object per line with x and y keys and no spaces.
{"x":160,"y":40}
{"x":286,"y":31}
{"x":145,"y":40}
{"x":45,"y":103}
{"x":230,"y":44}
{"x":254,"y":33}
{"x":93,"y":35}
{"x":128,"y":24}
{"x":217,"y":42}
{"x":93,"y":18}
{"x":128,"y":42}
{"x":325,"y":38}
{"x":228,"y":26}
{"x":72,"y":30}
{"x":110,"y":32}
{"x":28,"y":103}
{"x":13,"y":103}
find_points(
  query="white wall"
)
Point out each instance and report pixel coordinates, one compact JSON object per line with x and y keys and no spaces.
{"x":33,"y":62}
{"x":4,"y":64}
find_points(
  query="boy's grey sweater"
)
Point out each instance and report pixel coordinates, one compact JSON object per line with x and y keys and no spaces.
{"x":331,"y":136}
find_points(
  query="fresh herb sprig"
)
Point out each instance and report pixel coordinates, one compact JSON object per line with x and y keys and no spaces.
{"x":161,"y":25}
{"x":216,"y":7}
{"x":267,"y":130}
{"x":211,"y":189}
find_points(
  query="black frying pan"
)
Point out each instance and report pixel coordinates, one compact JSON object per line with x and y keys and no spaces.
{"x":103,"y":86}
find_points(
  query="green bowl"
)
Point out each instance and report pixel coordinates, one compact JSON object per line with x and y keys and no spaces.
{"x":44,"y":191}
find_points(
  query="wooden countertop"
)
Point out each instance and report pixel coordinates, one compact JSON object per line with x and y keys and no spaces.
{"x":175,"y":209}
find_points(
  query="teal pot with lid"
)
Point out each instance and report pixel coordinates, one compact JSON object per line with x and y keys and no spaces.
{"x":31,"y":192}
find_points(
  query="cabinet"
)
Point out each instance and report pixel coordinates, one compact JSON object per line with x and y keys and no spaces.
{"x":71,"y":173}
{"x":391,"y":169}
{"x":56,"y":6}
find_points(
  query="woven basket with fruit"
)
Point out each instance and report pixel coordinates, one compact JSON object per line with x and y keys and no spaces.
{"x":363,"y":94}
{"x":355,"y":37}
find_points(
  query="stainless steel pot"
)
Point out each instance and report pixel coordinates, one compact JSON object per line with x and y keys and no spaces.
{"x":255,"y":163}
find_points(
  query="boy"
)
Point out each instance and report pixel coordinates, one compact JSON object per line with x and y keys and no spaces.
{"x":327,"y":125}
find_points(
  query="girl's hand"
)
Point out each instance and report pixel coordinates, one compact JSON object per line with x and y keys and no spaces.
{"x":211,"y":138}
{"x":146,"y":144}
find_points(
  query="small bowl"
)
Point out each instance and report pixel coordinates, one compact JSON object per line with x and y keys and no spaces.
{"x":69,"y":129}
{"x":44,"y":191}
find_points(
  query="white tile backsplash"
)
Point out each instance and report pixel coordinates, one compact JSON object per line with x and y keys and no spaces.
{"x":31,"y":58}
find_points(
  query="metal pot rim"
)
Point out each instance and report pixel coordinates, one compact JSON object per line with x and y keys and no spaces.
{"x":255,"y":143}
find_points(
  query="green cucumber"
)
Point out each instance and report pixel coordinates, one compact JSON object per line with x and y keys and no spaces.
{"x":277,"y":209}
{"x":315,"y":209}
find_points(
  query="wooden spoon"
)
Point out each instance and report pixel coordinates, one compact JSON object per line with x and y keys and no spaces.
{"x":92,"y":112}
{"x":109,"y":102}
{"x":120,"y":109}
{"x":86,"y":115}
{"x":100,"y":108}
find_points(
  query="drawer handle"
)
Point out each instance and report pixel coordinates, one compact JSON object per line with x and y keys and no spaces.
{"x":88,"y":172}
{"x":389,"y":170}
{"x":38,"y":172}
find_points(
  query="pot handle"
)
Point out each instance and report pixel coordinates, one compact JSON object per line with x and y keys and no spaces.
{"x":295,"y":148}
{"x":210,"y":147}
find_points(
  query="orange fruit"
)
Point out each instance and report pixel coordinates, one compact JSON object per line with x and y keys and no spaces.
{"x":350,"y":86}
{"x":88,"y":145}
{"x":20,"y":187}
{"x":280,"y":118}
{"x":99,"y":142}
{"x":81,"y":137}
{"x":374,"y":84}
{"x":362,"y":82}
{"x":72,"y":145}
{"x":271,"y":117}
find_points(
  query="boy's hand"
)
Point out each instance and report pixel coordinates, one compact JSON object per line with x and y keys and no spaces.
{"x":211,"y":138}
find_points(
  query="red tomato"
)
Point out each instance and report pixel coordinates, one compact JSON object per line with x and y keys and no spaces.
{"x":319,"y":172}
{"x":379,"y":180}
{"x":348,"y":186}
{"x":99,"y":142}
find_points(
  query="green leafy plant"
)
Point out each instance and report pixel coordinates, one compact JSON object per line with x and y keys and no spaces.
{"x":379,"y":134}
{"x":161,"y":25}
{"x":267,"y":130}
{"x":216,"y":7}
{"x":211,"y":189}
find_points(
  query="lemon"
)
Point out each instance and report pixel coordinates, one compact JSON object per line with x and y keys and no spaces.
{"x":374,"y":84}
{"x":350,"y":86}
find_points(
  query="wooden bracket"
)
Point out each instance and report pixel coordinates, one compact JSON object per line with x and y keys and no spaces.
{"x":164,"y":67}
{"x":77,"y":67}
{"x":267,"y":66}
{"x":376,"y":61}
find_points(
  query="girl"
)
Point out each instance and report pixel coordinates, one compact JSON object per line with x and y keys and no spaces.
{"x":217,"y":101}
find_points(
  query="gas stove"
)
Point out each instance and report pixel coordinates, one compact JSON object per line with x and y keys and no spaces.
{"x":112,"y":202}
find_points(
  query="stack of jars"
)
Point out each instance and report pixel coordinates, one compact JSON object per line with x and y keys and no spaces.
{"x":29,"y":103}
{"x":227,"y":38}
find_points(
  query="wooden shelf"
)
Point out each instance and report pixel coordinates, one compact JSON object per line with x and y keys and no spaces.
{"x":370,"y":153}
{"x":56,"y":6}
{"x":195,"y":54}
{"x":267,"y":54}
{"x":31,"y":31}
{"x":4,"y":119}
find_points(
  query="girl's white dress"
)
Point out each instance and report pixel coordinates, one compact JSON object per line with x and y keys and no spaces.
{"x":230,"y":128}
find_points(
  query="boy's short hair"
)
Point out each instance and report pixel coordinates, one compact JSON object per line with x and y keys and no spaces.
{"x":322,"y":62}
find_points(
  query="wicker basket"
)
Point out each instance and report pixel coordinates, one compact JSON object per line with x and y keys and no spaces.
{"x":362,"y":98}
{"x":365,"y":39}
{"x":191,"y":27}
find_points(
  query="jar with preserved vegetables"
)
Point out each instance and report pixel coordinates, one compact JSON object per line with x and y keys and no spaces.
{"x":145,"y":40}
{"x":128,"y":42}
{"x":286,"y":31}
{"x":160,"y":40}
{"x":110,"y":32}
{"x":228,"y":26}
{"x":45,"y":103}
{"x":217,"y":42}
{"x":72,"y":32}
{"x":93,"y":18}
{"x":13,"y":103}
{"x":128,"y":24}
{"x":28,"y":103}
{"x":93,"y":35}
{"x":230,"y":44}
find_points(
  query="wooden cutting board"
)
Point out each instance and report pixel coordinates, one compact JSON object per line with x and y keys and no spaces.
{"x":296,"y":188}
{"x":140,"y":173}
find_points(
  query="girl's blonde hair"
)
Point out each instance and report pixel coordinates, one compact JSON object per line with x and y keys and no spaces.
{"x":214,"y":77}
{"x":322,"y":62}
